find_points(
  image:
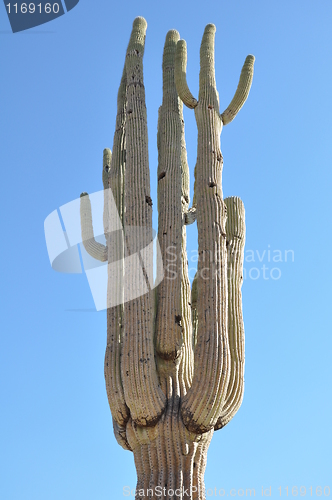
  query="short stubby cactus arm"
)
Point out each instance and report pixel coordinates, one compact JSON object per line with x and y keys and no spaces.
{"x":181,"y":76}
{"x":242,"y":91}
{"x":202,"y":405}
{"x":190,"y":216}
{"x":142,"y":390}
{"x":173,"y":320}
{"x":235,"y":236}
{"x":113,"y":180}
{"x":96,"y":250}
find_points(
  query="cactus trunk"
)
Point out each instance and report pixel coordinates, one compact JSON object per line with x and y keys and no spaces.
{"x":174,"y":363}
{"x":170,"y":461}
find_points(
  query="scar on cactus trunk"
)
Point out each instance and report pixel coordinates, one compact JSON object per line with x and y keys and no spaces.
{"x":174,"y":362}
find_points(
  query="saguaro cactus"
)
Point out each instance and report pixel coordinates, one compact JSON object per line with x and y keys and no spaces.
{"x":174,"y":359}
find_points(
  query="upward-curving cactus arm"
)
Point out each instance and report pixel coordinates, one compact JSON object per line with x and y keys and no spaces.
{"x":235,"y":236}
{"x":242,"y":91}
{"x":113,"y":178}
{"x":181,"y":76}
{"x":186,"y":96}
{"x":142,"y":389}
{"x":173,"y":321}
{"x":169,"y":321}
{"x":96,"y":250}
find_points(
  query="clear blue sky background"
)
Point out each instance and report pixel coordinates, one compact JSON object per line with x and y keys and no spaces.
{"x":58,"y":104}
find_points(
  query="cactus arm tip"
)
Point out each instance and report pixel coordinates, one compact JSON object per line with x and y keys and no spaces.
{"x":140,"y":23}
{"x":207,"y":74}
{"x":137,"y":38}
{"x":242,"y":91}
{"x":172,"y":36}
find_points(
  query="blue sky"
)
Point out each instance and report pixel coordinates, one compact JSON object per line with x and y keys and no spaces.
{"x":58,"y":104}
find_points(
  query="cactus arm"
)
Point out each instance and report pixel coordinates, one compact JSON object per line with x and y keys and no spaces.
{"x":95,"y":249}
{"x":141,"y":385}
{"x":187,"y":361}
{"x":235,"y":234}
{"x":113,"y":181}
{"x":190,"y":216}
{"x":173,"y":321}
{"x":169,"y":334}
{"x":202,"y":405}
{"x":242,"y":91}
{"x":181,"y":77}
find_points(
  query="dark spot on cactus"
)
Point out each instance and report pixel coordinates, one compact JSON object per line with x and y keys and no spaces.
{"x":127,"y":373}
{"x":178,"y":319}
{"x":161,"y":176}
{"x":148,"y":201}
{"x":219,"y":157}
{"x":210,"y":106}
{"x":129,"y":111}
{"x":212,"y":184}
{"x":83,"y":194}
{"x":186,"y":198}
{"x":194,"y":465}
{"x":107,"y":168}
{"x":165,"y":234}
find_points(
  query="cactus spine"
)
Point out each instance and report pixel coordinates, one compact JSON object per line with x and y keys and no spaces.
{"x":174,"y":360}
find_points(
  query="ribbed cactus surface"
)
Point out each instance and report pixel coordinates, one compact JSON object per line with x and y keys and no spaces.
{"x":174,"y":362}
